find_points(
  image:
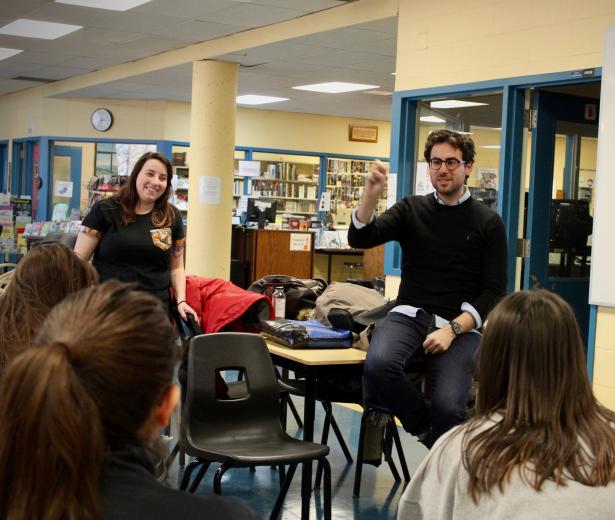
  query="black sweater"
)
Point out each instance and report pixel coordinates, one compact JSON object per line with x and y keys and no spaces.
{"x":130,"y":492}
{"x":450,"y":254}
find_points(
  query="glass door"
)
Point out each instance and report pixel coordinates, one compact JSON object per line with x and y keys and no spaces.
{"x":559,"y":212}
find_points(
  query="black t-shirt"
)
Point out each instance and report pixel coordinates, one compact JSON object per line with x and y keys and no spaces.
{"x":139,"y":252}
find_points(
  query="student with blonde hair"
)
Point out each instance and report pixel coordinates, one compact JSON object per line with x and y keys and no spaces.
{"x":540,"y":445}
{"x":79,"y":410}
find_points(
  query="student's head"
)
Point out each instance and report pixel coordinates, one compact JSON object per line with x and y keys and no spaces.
{"x":532,"y":361}
{"x":43,"y":278}
{"x":149,"y":182}
{"x":101,"y":370}
{"x":535,"y":409}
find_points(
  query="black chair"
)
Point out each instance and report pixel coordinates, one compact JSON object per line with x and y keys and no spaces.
{"x":243,"y":431}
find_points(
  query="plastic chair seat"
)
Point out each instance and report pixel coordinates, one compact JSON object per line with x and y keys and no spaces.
{"x":256,"y":450}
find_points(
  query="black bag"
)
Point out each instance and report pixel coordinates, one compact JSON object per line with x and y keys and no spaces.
{"x":300,"y":294}
{"x":306,"y":334}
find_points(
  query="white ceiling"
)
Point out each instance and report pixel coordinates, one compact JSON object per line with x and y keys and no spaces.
{"x":362,"y":53}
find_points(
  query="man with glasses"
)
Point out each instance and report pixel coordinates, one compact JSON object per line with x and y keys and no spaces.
{"x":453,"y":271}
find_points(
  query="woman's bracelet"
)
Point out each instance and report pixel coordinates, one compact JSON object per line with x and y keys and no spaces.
{"x":179,"y":303}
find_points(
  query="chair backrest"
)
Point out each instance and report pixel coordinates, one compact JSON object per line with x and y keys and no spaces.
{"x":206,"y":414}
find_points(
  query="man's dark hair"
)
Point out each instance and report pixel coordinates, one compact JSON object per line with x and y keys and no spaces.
{"x":455,"y":139}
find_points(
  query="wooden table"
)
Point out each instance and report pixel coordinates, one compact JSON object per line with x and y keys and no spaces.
{"x":314,"y":363}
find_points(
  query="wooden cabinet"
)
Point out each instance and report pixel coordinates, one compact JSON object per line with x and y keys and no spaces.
{"x":277,"y":252}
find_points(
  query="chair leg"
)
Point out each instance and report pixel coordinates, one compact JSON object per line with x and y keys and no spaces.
{"x":340,"y":439}
{"x":282,"y":473}
{"x":199,"y":476}
{"x":327,"y":491}
{"x":182,"y":459}
{"x":400,"y":454}
{"x":172,"y":455}
{"x":293,"y":410}
{"x":188,"y":472}
{"x":279,"y":501}
{"x":359,"y":467}
{"x":218,"y":478}
{"x":387,"y":448}
{"x":323,"y":440}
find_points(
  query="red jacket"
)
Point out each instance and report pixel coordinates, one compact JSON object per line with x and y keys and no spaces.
{"x":218,"y":302}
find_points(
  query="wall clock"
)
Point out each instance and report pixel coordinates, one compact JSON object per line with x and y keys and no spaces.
{"x":102,"y":119}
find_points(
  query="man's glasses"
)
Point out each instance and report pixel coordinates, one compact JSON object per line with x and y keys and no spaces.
{"x":451,"y":163}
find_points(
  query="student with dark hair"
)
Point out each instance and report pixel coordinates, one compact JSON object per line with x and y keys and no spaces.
{"x":138,"y":235}
{"x":79,"y":410}
{"x":540,"y":445}
{"x":43,"y":278}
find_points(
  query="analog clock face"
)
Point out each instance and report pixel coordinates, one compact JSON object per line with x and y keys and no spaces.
{"x":102,"y":119}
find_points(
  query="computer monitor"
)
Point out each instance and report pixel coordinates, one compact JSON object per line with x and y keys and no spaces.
{"x":261,"y":211}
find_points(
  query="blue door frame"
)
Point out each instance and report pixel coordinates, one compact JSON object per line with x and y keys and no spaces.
{"x":403,"y":153}
{"x":4,"y":156}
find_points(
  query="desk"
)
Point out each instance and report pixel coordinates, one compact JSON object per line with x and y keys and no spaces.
{"x":315,"y":363}
{"x":337,"y":251}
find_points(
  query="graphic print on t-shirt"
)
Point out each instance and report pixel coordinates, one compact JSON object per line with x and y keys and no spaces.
{"x":161,"y":238}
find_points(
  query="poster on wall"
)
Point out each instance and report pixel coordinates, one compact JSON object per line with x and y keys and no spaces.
{"x":209,"y":190}
{"x":488,"y":178}
{"x":422,"y":181}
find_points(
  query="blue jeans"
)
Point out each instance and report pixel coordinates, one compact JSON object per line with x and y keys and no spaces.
{"x":395,"y":342}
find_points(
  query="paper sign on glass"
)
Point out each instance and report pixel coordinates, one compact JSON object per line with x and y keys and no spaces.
{"x":422,"y":181}
{"x":209,"y":190}
{"x":63,"y":189}
{"x":391,"y":189}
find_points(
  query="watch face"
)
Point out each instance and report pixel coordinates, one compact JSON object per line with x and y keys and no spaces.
{"x":102,"y":119}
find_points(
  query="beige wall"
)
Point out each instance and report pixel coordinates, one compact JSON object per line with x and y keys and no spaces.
{"x":480,"y":40}
{"x":489,"y":39}
{"x":153,"y":120}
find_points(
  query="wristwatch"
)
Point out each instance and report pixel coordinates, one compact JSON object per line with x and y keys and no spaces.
{"x":456,"y":328}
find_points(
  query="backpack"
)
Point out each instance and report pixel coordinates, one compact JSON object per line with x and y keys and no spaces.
{"x":300,"y":294}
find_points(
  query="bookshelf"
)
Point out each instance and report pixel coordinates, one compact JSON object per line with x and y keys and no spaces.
{"x":345,"y":178}
{"x":290,"y":179}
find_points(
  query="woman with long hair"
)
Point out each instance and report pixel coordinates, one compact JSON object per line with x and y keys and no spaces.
{"x":43,"y":278}
{"x":540,"y":445}
{"x":138,"y":235}
{"x":79,"y":410}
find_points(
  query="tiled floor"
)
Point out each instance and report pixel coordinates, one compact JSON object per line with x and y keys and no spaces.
{"x":379,"y":492}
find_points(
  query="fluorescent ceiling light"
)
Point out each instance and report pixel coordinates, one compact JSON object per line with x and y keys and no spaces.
{"x":335,"y":87}
{"x":111,"y":5}
{"x":38,"y":29}
{"x":255,"y":99}
{"x":455,"y":103}
{"x":432,"y":119}
{"x":379,"y":93}
{"x":491,"y":146}
{"x":7,"y":53}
